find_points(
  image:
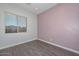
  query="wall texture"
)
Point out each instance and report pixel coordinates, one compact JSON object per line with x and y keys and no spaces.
{"x":10,"y":39}
{"x":60,"y":25}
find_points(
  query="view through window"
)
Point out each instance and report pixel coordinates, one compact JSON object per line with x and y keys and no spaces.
{"x":15,"y":23}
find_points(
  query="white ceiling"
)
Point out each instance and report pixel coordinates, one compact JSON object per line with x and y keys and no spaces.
{"x":37,"y":7}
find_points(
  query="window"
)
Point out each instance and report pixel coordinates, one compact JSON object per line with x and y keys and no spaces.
{"x":21,"y":24}
{"x":15,"y":23}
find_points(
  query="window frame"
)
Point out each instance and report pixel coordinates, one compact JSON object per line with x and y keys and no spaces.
{"x":6,"y":13}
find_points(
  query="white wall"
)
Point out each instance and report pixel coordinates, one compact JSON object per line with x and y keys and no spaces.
{"x":11,"y":39}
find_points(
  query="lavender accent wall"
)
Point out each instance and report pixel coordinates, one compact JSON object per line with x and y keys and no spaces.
{"x":60,"y":25}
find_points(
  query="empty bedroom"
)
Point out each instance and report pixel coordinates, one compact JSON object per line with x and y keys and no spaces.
{"x":39,"y":29}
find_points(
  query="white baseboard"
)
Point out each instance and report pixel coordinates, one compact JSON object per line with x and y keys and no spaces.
{"x":7,"y":46}
{"x":68,"y":49}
